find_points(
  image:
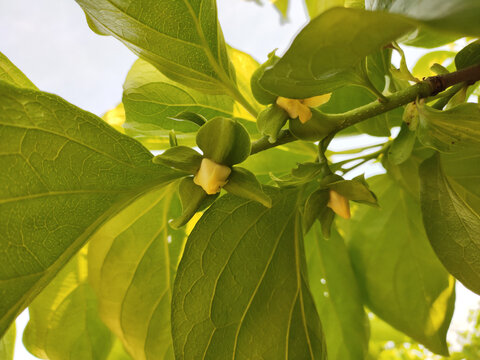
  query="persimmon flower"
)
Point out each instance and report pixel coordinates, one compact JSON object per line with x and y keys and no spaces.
{"x":339,"y":204}
{"x":301,"y":107}
{"x":211,"y":176}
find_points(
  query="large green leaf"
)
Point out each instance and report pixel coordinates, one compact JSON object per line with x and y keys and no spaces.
{"x":324,"y":54}
{"x":455,"y":16}
{"x":181,"y":38}
{"x":150,"y":97}
{"x":337,"y":296}
{"x":241,"y":290}
{"x":450,"y":130}
{"x":64,"y":321}
{"x":9,"y":73}
{"x":64,"y":172}
{"x":132,"y":264}
{"x":402,"y":280}
{"x":7,"y":344}
{"x":451,"y":213}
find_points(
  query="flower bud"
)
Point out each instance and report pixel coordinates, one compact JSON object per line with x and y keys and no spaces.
{"x":211,"y":176}
{"x":339,"y":204}
{"x":295,"y":108}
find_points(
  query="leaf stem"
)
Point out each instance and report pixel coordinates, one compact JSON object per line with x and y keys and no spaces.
{"x":429,"y":87}
{"x":365,"y":158}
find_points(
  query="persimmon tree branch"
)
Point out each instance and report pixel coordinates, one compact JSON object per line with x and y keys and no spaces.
{"x":431,"y":86}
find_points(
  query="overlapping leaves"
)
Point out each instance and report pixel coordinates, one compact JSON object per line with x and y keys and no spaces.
{"x":67,"y":309}
{"x":401,"y":279}
{"x":60,"y":162}
{"x":132,"y":264}
{"x":451,"y":212}
{"x":225,"y":300}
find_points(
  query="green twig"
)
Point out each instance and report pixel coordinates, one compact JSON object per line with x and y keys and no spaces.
{"x":426,"y":88}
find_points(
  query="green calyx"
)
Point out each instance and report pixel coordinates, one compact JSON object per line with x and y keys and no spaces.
{"x":243,"y":183}
{"x":317,"y":128}
{"x":271,"y":120}
{"x":263,"y":96}
{"x":224,"y":141}
{"x":193,"y":199}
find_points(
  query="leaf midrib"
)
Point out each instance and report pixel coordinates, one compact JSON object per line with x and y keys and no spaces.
{"x":299,"y":285}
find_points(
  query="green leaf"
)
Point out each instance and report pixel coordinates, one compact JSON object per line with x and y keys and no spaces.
{"x":324,"y":54}
{"x":279,"y":160}
{"x":245,"y":66}
{"x":65,"y":172}
{"x":224,"y":141}
{"x":193,"y":199}
{"x":64,"y":321}
{"x":156,"y":138}
{"x":9,"y":73}
{"x":151,"y":98}
{"x":337,"y":296}
{"x":449,"y":130}
{"x":468,"y":56}
{"x":406,"y":173}
{"x":423,"y":65}
{"x":402,"y":146}
{"x":118,"y":352}
{"x":351,"y":97}
{"x":316,"y":7}
{"x":450,"y":195}
{"x":459,"y":17}
{"x":402,"y":280}
{"x":7,"y":344}
{"x":259,"y":93}
{"x":180,"y":157}
{"x":194,"y":54}
{"x":132,"y":262}
{"x":315,"y":205}
{"x":225,"y":300}
{"x":244,"y":184}
{"x":282,"y":6}
{"x":355,"y":190}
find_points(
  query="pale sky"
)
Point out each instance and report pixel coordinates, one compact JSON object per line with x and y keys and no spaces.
{"x":51,"y":43}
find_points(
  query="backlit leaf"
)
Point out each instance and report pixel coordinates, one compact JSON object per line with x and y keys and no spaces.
{"x":243,"y":276}
{"x":64,"y":172}
{"x":451,"y":213}
{"x":180,"y":38}
{"x":454,"y":16}
{"x":450,"y":130}
{"x":245,"y":65}
{"x":150,"y":97}
{"x":9,"y":73}
{"x":316,"y":7}
{"x":401,"y":279}
{"x":337,"y":296}
{"x":7,"y":344}
{"x":132,"y":263}
{"x":324,"y":54}
{"x":64,"y":321}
